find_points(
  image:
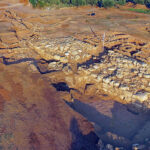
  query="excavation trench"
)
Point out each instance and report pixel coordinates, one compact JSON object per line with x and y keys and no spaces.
{"x":114,"y":123}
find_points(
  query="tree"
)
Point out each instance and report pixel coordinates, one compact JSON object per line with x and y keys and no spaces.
{"x":147,"y":3}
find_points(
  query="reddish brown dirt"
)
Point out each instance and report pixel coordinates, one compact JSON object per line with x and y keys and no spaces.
{"x":34,"y":117}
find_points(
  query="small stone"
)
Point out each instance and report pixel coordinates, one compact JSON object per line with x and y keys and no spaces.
{"x":140,"y":75}
{"x":94,"y":75}
{"x":99,"y":77}
{"x":96,"y":66}
{"x":61,"y":48}
{"x":119,"y":148}
{"x":137,"y":147}
{"x":47,"y":46}
{"x":74,"y":53}
{"x":124,"y":87}
{"x":66,"y":54}
{"x":144,"y":64}
{"x":141,"y":96}
{"x":100,"y":144}
{"x":57,"y":57}
{"x":112,"y":68}
{"x":109,"y":147}
{"x":122,"y":97}
{"x":119,"y":76}
{"x":106,"y":80}
{"x":112,"y":82}
{"x":56,"y":48}
{"x":77,"y":57}
{"x":64,"y":60}
{"x":52,"y":65}
{"x":116,"y":83}
{"x":147,"y":76}
{"x":134,"y":146}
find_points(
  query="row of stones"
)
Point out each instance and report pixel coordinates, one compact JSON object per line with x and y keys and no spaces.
{"x":116,"y":73}
{"x":124,"y":44}
{"x":64,"y":50}
{"x":121,"y":75}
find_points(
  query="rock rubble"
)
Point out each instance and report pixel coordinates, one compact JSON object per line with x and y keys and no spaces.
{"x":115,"y":73}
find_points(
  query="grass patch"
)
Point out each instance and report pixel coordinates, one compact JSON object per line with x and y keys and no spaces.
{"x":145,"y":11}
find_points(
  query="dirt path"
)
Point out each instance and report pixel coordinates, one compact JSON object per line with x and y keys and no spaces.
{"x":11,"y":6}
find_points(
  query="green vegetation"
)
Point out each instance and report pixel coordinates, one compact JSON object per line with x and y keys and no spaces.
{"x":108,"y":3}
{"x":147,"y":3}
{"x":100,"y":3}
{"x":41,"y":3}
{"x":145,"y":11}
{"x":120,"y":2}
{"x":139,"y":2}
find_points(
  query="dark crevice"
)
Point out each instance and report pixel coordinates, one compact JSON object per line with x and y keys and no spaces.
{"x":138,"y":59}
{"x":86,"y":42}
{"x":34,"y":62}
{"x":43,"y":61}
{"x":128,"y":48}
{"x":10,"y":48}
{"x":92,"y":60}
{"x":119,"y":34}
{"x":142,"y":44}
{"x":118,"y":39}
{"x":86,"y":86}
{"x":134,"y":43}
{"x":115,"y":47}
{"x":134,"y":52}
{"x":62,"y":86}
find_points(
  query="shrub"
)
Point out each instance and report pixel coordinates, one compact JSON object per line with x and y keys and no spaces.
{"x":92,"y":2}
{"x":120,"y":2}
{"x":33,"y":2}
{"x":145,"y":11}
{"x":139,"y":2}
{"x":82,"y":2}
{"x":108,"y":3}
{"x":100,"y":3}
{"x":147,"y":3}
{"x":40,"y":3}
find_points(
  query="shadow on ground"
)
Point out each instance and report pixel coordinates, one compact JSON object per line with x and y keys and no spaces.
{"x":114,"y":124}
{"x":80,"y":141}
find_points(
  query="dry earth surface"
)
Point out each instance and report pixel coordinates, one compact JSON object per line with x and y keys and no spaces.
{"x":99,"y":65}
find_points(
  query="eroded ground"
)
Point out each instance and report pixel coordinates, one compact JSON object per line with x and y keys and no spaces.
{"x":100,"y":65}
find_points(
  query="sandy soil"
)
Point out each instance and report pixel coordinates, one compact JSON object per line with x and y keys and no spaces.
{"x":112,"y":120}
{"x":70,"y":21}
